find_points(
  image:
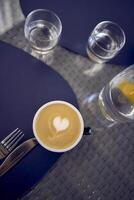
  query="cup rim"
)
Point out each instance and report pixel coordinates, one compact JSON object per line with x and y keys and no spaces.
{"x":119,"y":27}
{"x":81,"y":129}
{"x":49,"y":11}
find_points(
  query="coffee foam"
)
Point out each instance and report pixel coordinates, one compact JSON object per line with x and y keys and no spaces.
{"x":59,"y":124}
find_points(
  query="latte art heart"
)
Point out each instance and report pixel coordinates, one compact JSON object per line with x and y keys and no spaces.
{"x":60,"y":124}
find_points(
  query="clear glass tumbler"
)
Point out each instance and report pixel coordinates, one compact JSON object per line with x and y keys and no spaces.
{"x":42,"y":30}
{"x":114,"y":104}
{"x":105,"y":41}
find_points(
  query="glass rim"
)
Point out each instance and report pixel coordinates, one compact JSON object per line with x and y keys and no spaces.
{"x":119,"y":27}
{"x":125,"y":72}
{"x":49,"y":11}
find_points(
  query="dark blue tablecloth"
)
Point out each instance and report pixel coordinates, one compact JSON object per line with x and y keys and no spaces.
{"x":79,"y":18}
{"x":25,"y":85}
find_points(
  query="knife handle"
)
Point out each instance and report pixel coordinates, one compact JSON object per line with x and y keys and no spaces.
{"x":16,"y":155}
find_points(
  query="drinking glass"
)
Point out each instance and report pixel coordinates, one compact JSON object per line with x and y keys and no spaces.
{"x":114,"y":104}
{"x":42,"y":29}
{"x":106,"y":40}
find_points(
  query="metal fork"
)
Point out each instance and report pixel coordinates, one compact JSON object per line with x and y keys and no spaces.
{"x":10,"y":142}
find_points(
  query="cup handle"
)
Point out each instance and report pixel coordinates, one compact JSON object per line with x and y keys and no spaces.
{"x":87,"y":131}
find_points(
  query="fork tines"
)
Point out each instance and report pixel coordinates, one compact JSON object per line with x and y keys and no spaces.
{"x":12,"y":139}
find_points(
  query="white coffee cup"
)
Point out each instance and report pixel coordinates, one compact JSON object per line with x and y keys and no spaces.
{"x":81,"y":126}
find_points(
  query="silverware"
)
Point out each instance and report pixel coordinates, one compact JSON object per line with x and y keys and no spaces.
{"x":17,"y":154}
{"x":10,"y":142}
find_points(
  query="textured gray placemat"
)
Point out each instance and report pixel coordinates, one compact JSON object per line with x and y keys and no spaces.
{"x":101,"y":167}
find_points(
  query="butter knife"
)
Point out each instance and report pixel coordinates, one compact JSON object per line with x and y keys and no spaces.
{"x":16,"y":155}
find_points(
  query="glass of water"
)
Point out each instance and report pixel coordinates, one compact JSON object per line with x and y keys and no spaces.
{"x":106,"y":40}
{"x":114,"y":104}
{"x":42,"y":30}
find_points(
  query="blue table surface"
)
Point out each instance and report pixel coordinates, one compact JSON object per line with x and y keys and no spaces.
{"x":79,"y":17}
{"x":25,"y":85}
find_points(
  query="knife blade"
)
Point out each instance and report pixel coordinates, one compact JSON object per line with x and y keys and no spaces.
{"x":17,"y":154}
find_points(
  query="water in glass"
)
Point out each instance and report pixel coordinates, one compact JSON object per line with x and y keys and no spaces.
{"x":102,"y":47}
{"x":105,"y":41}
{"x":42,"y":35}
